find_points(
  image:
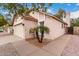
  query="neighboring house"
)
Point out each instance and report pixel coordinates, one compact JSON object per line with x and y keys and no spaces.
{"x":57,"y":27}
{"x":1,"y":29}
{"x":10,"y":30}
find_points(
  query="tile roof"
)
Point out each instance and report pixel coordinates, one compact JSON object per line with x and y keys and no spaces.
{"x":30,"y":18}
{"x":27,"y":17}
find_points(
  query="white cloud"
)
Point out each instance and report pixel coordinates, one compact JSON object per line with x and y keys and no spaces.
{"x":75,"y":14}
{"x":49,"y":11}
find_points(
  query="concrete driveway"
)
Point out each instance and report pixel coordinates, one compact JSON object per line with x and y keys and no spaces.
{"x":6,"y":38}
{"x":11,"y":45}
{"x":72,"y":48}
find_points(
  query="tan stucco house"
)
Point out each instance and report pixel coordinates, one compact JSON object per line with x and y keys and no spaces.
{"x":57,"y":27}
{"x":22,"y":25}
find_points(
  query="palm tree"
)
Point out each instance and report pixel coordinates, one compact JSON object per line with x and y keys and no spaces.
{"x":61,"y":13}
{"x":75,"y":22}
{"x":40,"y":29}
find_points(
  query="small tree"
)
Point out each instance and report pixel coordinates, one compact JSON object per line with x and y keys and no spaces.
{"x":40,"y":29}
{"x":2,"y":20}
{"x":75,"y":22}
{"x":60,"y":14}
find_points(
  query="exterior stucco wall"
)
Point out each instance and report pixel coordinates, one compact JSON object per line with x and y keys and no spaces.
{"x":23,"y":30}
{"x":55,"y":28}
{"x":28,"y":25}
{"x":38,"y":15}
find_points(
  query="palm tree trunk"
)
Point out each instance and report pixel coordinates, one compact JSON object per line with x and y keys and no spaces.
{"x":37,"y":36}
{"x":42,"y":36}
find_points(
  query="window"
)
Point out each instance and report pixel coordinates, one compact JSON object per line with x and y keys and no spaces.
{"x":42,"y":23}
{"x":63,"y":26}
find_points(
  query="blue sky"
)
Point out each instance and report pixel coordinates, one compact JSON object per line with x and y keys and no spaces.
{"x":73,"y":8}
{"x":68,"y":7}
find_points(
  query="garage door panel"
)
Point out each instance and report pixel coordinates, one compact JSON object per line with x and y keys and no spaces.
{"x":19,"y":31}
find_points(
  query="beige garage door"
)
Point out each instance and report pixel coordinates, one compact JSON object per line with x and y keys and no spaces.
{"x":19,"y":31}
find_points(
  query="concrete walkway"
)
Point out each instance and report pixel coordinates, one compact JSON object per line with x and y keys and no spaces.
{"x":12,"y":45}
{"x":72,"y":48}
